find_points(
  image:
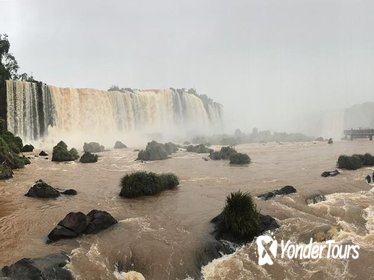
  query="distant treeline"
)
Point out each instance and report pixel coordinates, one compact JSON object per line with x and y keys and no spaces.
{"x":256,"y":136}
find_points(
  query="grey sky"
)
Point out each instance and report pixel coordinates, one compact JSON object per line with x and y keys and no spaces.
{"x":267,"y":61}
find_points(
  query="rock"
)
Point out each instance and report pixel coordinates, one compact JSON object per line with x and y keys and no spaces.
{"x":76,"y":223}
{"x":5,"y":172}
{"x":87,"y":157}
{"x":213,"y":249}
{"x":283,"y":191}
{"x":119,"y":145}
{"x":48,"y":267}
{"x":43,"y":154}
{"x":330,"y":141}
{"x":43,"y":190}
{"x":368,"y":179}
{"x":61,"y":153}
{"x":315,"y":198}
{"x":98,"y":221}
{"x":60,"y":232}
{"x":70,"y":192}
{"x":330,"y":173}
{"x":330,"y":234}
{"x":266,"y":223}
{"x":27,"y":148}
{"x":93,"y":147}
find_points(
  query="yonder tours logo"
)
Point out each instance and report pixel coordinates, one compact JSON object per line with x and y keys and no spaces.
{"x":267,"y":249}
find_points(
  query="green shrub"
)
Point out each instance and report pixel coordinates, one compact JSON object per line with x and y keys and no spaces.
{"x":93,"y":147}
{"x":61,"y":153}
{"x":27,"y":148}
{"x":157,"y":151}
{"x":350,"y":162}
{"x":146,"y":183}
{"x":240,"y":215}
{"x":87,"y":157}
{"x":239,"y":158}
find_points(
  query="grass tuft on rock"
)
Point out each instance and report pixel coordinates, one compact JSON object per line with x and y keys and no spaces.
{"x":240,"y":215}
{"x":143,"y":183}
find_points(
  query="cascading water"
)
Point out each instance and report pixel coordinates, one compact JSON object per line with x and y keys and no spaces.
{"x":37,"y":111}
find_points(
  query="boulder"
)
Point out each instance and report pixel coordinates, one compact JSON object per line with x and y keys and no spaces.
{"x":266,"y":223}
{"x":48,"y":267}
{"x":87,"y":157}
{"x":330,"y":173}
{"x":43,"y":154}
{"x":76,"y":223}
{"x":69,"y":192}
{"x":5,"y":172}
{"x":43,"y":190}
{"x":61,"y":153}
{"x":93,"y":147}
{"x":119,"y":145}
{"x":315,"y":198}
{"x":98,"y":221}
{"x":283,"y":191}
{"x":27,"y":148}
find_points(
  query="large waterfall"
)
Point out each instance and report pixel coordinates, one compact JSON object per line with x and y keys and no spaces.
{"x":37,"y":111}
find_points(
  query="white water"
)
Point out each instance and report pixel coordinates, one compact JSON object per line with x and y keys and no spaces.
{"x":94,"y":115}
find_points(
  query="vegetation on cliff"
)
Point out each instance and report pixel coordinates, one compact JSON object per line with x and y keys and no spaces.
{"x":147,"y":183}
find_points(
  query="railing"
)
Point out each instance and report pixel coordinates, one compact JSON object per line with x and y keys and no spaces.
{"x":359,"y":133}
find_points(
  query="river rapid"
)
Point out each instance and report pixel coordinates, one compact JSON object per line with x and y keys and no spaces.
{"x":161,"y":236}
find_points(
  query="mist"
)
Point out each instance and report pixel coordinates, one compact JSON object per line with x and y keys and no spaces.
{"x":286,"y":65}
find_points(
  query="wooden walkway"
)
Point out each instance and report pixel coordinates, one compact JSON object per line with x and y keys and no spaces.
{"x":359,"y":133}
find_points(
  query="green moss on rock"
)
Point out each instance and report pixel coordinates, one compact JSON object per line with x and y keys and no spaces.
{"x":88,"y":157}
{"x":61,"y":153}
{"x":157,"y":151}
{"x":240,"y":158}
{"x":93,"y":147}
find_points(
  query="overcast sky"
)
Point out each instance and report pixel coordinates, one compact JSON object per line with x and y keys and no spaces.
{"x":267,"y":61}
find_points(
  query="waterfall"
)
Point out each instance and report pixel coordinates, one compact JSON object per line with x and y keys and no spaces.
{"x":36,"y":111}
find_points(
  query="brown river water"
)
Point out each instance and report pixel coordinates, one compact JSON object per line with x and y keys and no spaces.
{"x":160,"y":236}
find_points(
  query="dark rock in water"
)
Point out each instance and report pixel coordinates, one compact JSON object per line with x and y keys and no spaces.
{"x":283,"y":191}
{"x":5,"y":172}
{"x":87,"y":157}
{"x":93,"y":147}
{"x":43,"y":190}
{"x":368,"y":179}
{"x":266,"y":223}
{"x":26,"y":160}
{"x":48,"y":267}
{"x":27,"y":148}
{"x":330,"y":173}
{"x":70,"y":192}
{"x":60,"y":232}
{"x":76,"y":223}
{"x":212,"y":250}
{"x":315,"y":198}
{"x":61,"y":153}
{"x":119,"y":145}
{"x":98,"y":221}
{"x":43,"y":154}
